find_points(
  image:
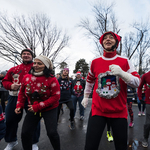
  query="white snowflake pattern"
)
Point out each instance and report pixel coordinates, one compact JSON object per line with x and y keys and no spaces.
{"x":38,"y":84}
{"x":18,"y":102}
{"x":27,"y":79}
{"x":42,"y":104}
{"x":53,"y":84}
{"x":58,"y":92}
{"x":33,"y":78}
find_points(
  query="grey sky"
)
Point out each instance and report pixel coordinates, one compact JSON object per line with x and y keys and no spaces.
{"x":68,"y":13}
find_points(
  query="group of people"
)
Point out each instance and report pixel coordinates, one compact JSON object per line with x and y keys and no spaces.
{"x":33,"y":86}
{"x":71,"y":94}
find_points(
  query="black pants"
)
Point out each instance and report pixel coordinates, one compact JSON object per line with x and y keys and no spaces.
{"x":30,"y":122}
{"x":12,"y":121}
{"x":96,"y":126}
{"x":4,"y":97}
{"x":71,"y":108}
{"x":147,"y":122}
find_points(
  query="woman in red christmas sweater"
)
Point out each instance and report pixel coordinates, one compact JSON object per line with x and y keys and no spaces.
{"x":111,"y":73}
{"x":43,"y":93}
{"x":145,"y":80}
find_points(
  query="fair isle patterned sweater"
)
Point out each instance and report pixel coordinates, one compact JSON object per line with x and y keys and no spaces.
{"x":42,"y":93}
{"x":15,"y":75}
{"x":110,"y":92}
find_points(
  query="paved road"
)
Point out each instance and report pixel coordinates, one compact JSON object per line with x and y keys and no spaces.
{"x":75,"y":139}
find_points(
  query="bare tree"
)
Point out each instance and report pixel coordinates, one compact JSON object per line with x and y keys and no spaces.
{"x":136,"y":45}
{"x":35,"y":32}
{"x":104,"y":20}
{"x":142,"y":54}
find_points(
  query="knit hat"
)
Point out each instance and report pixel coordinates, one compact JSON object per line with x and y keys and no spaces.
{"x":67,"y":69}
{"x":47,"y":62}
{"x":116,"y":37}
{"x":78,"y":73}
{"x":3,"y":72}
{"x":28,"y":50}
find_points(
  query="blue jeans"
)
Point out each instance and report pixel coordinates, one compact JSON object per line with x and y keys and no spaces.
{"x":139,"y":104}
{"x":76,"y":99}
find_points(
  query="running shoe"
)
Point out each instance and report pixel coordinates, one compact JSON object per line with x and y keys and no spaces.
{"x":145,"y":143}
{"x":109,"y":136}
{"x":11,"y":145}
{"x":82,"y":118}
{"x":35,"y":147}
{"x":139,"y":114}
{"x":131,"y":124}
{"x":71,"y":125}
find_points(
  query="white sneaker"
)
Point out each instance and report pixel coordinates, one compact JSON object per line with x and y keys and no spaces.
{"x":11,"y":145}
{"x":35,"y":147}
{"x":82,"y":118}
{"x":139,"y":114}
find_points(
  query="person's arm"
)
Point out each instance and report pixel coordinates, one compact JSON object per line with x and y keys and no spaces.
{"x":21,"y":97}
{"x":7,"y":81}
{"x":131,"y":77}
{"x":88,"y":87}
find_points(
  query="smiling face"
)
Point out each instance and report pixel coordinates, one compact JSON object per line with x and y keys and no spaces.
{"x":26,"y":56}
{"x":38,"y":65}
{"x":108,"y":42}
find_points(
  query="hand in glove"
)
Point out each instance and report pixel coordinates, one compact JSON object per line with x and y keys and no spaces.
{"x":85,"y":100}
{"x":117,"y":71}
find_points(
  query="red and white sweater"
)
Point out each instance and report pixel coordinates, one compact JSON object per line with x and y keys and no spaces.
{"x":42,"y":93}
{"x":109,"y":107}
{"x":15,"y":75}
{"x":145,"y":80}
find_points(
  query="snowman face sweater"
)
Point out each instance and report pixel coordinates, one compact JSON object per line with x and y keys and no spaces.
{"x":42,"y":93}
{"x":15,"y":75}
{"x":110,"y":92}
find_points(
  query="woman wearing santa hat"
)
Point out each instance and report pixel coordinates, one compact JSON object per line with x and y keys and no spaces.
{"x":42,"y":90}
{"x":111,"y":104}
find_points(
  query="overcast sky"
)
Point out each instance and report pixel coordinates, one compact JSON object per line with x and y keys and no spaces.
{"x":68,"y":13}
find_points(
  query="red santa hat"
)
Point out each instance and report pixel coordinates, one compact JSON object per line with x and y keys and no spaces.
{"x":78,"y":73}
{"x":108,"y":80}
{"x":116,"y":37}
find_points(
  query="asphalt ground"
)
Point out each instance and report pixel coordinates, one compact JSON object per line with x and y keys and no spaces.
{"x":75,"y":139}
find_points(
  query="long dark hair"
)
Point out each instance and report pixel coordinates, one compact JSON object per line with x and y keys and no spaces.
{"x":47,"y":72}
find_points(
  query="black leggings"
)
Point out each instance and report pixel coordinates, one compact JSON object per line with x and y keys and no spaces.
{"x":71,"y":108}
{"x":96,"y":126}
{"x":29,"y":125}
